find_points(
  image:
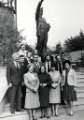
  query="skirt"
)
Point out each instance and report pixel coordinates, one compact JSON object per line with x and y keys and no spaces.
{"x":69,"y":94}
{"x":54,"y":95}
{"x":32,"y":100}
{"x":44,"y":96}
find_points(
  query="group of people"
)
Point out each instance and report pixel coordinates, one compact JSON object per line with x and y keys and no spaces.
{"x":37,"y":84}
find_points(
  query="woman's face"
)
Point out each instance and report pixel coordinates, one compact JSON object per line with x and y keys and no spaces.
{"x":42,"y":69}
{"x":53,"y":68}
{"x":67,"y":66}
{"x":29,"y":54}
{"x":23,"y":47}
{"x":48,"y":58}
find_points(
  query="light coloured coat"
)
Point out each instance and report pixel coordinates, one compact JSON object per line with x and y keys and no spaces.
{"x":71,"y":80}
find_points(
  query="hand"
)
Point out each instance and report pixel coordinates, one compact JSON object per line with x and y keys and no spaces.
{"x":10,"y":85}
{"x":35,"y":90}
{"x":54,"y":85}
{"x":23,"y":84}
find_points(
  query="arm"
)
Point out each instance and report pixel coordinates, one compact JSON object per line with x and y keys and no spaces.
{"x":37,"y":85}
{"x":38,"y":10}
{"x":8,"y":74}
{"x":48,"y":27}
{"x":62,"y":79}
{"x":75,"y":81}
{"x":49,"y":80}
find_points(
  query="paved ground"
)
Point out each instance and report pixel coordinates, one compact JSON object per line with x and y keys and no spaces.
{"x":77,"y":116}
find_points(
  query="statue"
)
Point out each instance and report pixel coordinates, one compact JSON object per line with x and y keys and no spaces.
{"x":11,"y":3}
{"x":42,"y":30}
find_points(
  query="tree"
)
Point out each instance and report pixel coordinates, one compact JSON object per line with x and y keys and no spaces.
{"x":75,"y":43}
{"x":8,"y":39}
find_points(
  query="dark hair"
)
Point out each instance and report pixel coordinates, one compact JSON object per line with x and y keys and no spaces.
{"x":67,"y":61}
{"x":54,"y":64}
{"x":41,"y":67}
{"x":21,"y":46}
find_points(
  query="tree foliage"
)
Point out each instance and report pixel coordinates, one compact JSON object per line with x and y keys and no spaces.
{"x":8,"y":39}
{"x":75,"y":43}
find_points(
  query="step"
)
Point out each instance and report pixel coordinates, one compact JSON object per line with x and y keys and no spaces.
{"x":80,"y":85}
{"x":80,"y":76}
{"x":80,"y":95}
{"x":80,"y":101}
{"x":80,"y":90}
{"x":78,"y":107}
{"x":18,"y":116}
{"x":81,"y":81}
{"x":24,"y":116}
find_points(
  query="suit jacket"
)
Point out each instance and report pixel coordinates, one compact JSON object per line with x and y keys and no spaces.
{"x":13,"y":74}
{"x":71,"y":79}
{"x":48,"y":66}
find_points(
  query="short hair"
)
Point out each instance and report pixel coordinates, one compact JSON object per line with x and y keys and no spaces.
{"x":67,"y":61}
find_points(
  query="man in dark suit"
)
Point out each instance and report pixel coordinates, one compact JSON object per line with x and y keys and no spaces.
{"x":14,"y":80}
{"x":24,"y":69}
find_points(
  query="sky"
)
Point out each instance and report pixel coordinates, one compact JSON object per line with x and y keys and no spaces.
{"x":65,"y":17}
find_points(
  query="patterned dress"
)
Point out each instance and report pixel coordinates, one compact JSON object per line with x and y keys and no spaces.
{"x":32,"y":98}
{"x":54,"y":92}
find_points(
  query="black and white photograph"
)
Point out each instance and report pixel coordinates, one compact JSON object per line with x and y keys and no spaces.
{"x":41,"y":60}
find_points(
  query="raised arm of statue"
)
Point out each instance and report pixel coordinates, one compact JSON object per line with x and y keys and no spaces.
{"x":38,"y":10}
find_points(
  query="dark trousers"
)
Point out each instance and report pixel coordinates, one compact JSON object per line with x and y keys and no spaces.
{"x":15,"y":98}
{"x":23,"y":95}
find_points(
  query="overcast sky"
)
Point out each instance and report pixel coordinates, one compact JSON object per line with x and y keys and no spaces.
{"x":66,"y":18}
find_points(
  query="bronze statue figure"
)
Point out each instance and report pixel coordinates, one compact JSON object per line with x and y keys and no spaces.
{"x":42,"y":30}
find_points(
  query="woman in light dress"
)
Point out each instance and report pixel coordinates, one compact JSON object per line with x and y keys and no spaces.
{"x":69,"y":84}
{"x":54,"y":93}
{"x":32,"y":98}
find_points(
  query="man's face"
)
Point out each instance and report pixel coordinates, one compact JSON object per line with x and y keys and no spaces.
{"x":23,"y":47}
{"x":29,"y":54}
{"x":21,"y":59}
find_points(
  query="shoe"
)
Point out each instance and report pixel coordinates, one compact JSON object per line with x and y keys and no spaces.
{"x":56,"y":115}
{"x":47,"y":117}
{"x":70,"y":114}
{"x":18,"y":110}
{"x":12,"y":111}
{"x":34,"y":118}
